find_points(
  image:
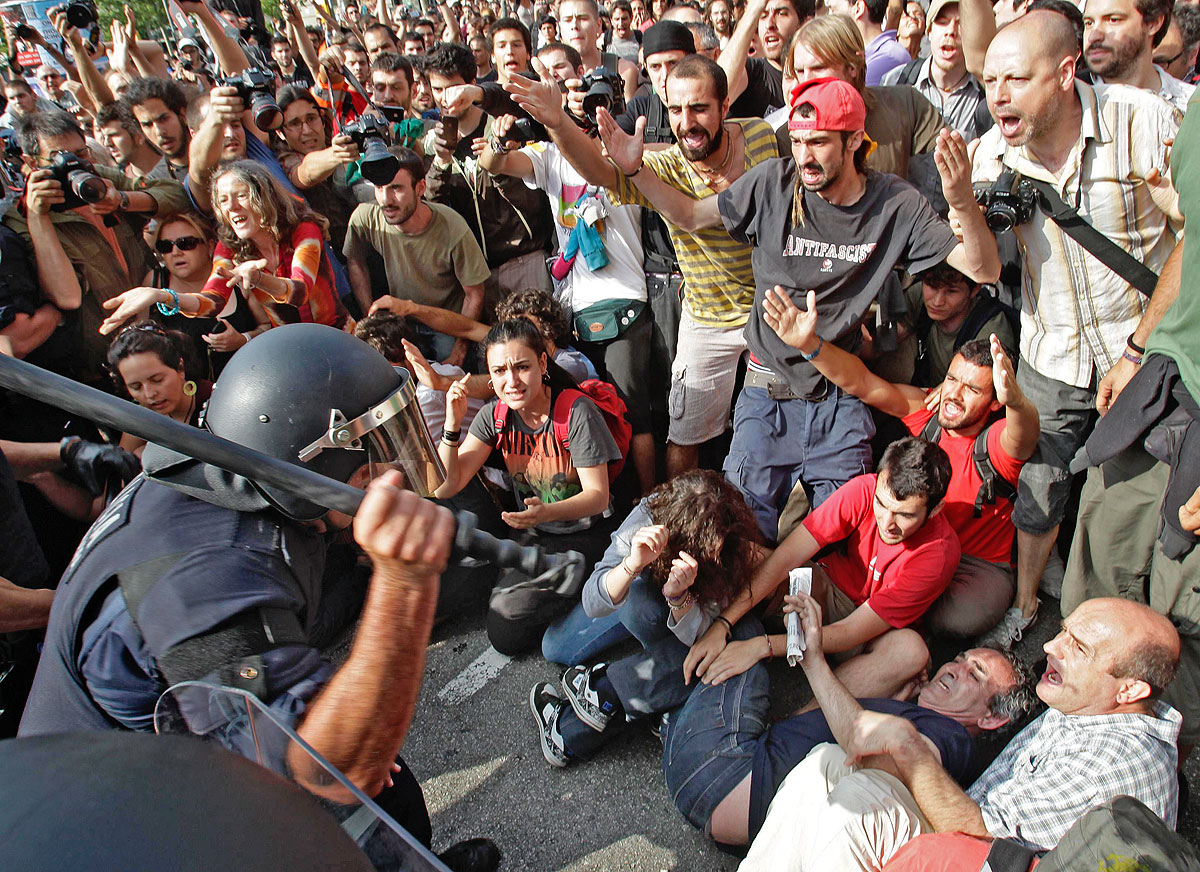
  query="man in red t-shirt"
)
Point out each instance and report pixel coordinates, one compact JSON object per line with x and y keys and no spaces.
{"x":891,"y":554}
{"x":979,"y":383}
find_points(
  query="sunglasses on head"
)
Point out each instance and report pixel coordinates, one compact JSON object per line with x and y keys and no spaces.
{"x":185,"y":243}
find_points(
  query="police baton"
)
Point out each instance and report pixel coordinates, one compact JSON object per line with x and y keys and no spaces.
{"x":564,"y":571}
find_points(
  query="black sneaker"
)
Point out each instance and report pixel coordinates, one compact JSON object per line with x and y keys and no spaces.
{"x":577,"y":687}
{"x":547,"y":706}
{"x":472,"y":855}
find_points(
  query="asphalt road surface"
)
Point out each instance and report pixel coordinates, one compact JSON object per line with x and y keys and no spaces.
{"x":475,"y":750}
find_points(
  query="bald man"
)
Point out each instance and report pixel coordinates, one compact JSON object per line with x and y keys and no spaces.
{"x":1107,"y":733}
{"x":1105,"y":151}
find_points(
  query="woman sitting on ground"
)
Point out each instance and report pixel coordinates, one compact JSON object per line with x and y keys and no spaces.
{"x":561,"y":489}
{"x":684,"y":553}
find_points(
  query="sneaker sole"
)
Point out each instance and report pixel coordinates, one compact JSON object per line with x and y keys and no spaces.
{"x":581,"y":710}
{"x":547,"y":749}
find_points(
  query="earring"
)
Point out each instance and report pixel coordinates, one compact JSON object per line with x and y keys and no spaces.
{"x":545,"y":378}
{"x":189,"y":388}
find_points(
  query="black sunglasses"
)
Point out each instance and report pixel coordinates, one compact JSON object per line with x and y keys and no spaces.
{"x":185,"y":243}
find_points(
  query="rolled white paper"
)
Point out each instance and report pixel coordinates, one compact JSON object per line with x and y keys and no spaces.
{"x":799,"y":581}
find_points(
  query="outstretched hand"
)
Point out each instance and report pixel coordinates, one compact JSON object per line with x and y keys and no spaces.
{"x":1004,"y":378}
{"x":624,"y":150}
{"x":796,"y":327}
{"x":541,"y":99}
{"x":954,"y":167}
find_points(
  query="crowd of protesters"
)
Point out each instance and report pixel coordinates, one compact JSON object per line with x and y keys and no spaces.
{"x":708,"y":294}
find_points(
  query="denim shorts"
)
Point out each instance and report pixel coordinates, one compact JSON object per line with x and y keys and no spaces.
{"x":709,"y":744}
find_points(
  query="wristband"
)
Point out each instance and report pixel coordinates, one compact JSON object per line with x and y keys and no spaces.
{"x":174,"y":308}
{"x":1135,"y":359}
{"x":808,"y":357}
{"x":728,"y":626}
{"x":641,"y":166}
{"x":770,"y":650}
{"x":1133,"y":345}
{"x":451,"y":437}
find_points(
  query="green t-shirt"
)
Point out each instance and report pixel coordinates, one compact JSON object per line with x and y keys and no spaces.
{"x":1178,"y":334}
{"x":941,"y":344}
{"x":430,"y":267}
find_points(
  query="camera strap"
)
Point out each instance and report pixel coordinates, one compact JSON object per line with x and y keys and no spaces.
{"x":1097,"y":244}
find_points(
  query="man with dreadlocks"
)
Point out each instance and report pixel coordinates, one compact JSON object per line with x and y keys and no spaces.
{"x":822,"y":222}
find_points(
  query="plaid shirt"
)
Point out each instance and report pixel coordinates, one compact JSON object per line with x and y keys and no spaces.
{"x":1075,"y":312}
{"x":1060,"y":766}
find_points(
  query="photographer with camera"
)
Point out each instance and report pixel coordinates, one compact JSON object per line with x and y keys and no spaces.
{"x":1084,"y":324}
{"x":511,"y":222}
{"x":85,"y":224}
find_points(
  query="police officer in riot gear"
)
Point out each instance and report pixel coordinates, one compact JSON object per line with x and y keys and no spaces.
{"x":196,"y":574}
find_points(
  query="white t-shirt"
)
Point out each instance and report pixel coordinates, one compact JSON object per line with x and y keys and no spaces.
{"x":621,"y":229}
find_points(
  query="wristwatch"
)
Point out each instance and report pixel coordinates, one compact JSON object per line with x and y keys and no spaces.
{"x":124,"y":207}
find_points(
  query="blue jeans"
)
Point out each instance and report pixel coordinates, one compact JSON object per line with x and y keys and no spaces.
{"x":823,"y":443}
{"x":577,"y":638}
{"x":708,"y":745}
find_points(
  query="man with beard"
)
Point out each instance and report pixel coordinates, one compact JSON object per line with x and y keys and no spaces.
{"x":1105,"y":151}
{"x":160,"y":107}
{"x":118,"y":131}
{"x":428,"y":251}
{"x":709,"y":154}
{"x":1119,"y":38}
{"x":979,"y":383}
{"x":820,"y":222}
{"x":756,"y":83}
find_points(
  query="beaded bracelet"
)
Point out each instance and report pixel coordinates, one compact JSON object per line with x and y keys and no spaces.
{"x":174,"y":309}
{"x":809,"y":357}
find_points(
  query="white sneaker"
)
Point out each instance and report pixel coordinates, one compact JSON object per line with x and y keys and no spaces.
{"x":1010,"y":629}
{"x":1052,"y":575}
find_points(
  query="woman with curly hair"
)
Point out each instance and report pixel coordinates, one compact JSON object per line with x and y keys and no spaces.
{"x":684,"y":552}
{"x":270,"y":246}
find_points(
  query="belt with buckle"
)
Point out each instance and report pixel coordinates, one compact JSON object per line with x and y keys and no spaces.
{"x":776,"y":388}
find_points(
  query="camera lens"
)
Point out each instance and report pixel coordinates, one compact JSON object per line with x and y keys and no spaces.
{"x":267,"y":114}
{"x":1001,"y":217}
{"x":81,"y":15}
{"x":379,"y":166}
{"x":88,"y":187}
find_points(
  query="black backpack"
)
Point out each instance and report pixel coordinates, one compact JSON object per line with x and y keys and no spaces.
{"x":994,"y":486}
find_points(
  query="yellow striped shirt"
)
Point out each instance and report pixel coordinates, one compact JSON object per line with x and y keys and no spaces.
{"x":718,"y":279}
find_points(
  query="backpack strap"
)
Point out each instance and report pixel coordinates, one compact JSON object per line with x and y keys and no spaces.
{"x":561,"y":415}
{"x":499,"y":418}
{"x":994,"y":485}
{"x":912,"y":69}
{"x":932,"y":431}
{"x":987,"y":308}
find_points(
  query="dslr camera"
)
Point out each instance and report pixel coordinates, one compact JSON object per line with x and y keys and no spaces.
{"x":602,"y":87}
{"x":526,"y":130}
{"x":1008,"y":202}
{"x":371,"y":135}
{"x":82,"y":14}
{"x":257,"y":90}
{"x":80,"y":185}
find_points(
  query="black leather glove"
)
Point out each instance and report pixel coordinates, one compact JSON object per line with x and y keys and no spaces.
{"x":94,"y":464}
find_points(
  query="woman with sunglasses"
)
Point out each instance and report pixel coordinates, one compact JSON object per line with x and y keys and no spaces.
{"x":184,"y":245}
{"x":270,"y":247}
{"x":311,"y":156}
